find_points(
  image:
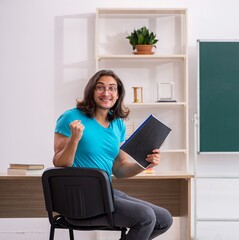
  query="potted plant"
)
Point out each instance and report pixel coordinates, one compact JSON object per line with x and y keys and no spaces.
{"x":142,"y":40}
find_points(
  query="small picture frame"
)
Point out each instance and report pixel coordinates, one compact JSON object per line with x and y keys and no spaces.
{"x":165,"y":92}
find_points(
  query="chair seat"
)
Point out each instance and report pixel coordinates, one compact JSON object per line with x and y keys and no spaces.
{"x":94,"y":221}
{"x":63,"y":222}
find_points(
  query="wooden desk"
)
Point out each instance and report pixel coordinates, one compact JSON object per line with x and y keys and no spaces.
{"x":22,"y":196}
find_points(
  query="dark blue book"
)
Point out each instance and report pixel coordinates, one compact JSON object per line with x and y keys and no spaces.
{"x":147,"y":137}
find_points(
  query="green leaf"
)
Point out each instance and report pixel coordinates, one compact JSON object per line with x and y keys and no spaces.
{"x":142,"y":36}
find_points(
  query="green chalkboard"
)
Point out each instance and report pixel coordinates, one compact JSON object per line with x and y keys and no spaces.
{"x":218,"y":96}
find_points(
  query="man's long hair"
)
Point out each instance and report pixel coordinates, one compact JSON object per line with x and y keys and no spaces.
{"x":88,"y":105}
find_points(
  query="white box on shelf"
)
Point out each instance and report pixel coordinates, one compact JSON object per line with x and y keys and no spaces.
{"x":165,"y":92}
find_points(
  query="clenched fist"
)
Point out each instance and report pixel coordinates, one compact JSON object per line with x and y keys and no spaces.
{"x":77,"y":129}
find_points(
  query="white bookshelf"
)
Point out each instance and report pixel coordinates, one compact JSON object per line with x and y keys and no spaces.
{"x":169,"y":63}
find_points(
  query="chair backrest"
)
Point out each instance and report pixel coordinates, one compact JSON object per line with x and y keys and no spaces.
{"x":77,"y":193}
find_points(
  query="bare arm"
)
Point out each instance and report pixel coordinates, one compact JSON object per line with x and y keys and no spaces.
{"x":65,"y":148}
{"x":124,"y":168}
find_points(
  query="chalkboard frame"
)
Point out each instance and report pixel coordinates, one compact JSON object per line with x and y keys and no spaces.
{"x":218,"y":96}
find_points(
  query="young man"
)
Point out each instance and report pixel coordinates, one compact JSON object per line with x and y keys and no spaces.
{"x":90,"y":135}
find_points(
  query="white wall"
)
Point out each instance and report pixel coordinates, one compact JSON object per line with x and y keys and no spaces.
{"x":35,"y":88}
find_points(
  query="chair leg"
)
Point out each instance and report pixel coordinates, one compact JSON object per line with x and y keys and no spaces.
{"x":71,"y":234}
{"x":123,"y":234}
{"x":52,"y":232}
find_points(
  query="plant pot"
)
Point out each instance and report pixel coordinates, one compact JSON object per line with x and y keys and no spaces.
{"x":144,"y":49}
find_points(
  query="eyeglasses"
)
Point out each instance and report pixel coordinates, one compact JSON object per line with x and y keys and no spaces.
{"x":102,"y":88}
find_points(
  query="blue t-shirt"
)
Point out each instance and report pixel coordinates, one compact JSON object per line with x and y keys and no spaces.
{"x":98,"y":146}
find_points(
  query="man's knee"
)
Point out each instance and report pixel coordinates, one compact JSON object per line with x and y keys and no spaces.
{"x":147,"y":216}
{"x":166,"y":220}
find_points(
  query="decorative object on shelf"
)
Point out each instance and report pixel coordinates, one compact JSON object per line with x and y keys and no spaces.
{"x":165,"y":92}
{"x":138,"y":94}
{"x":142,"y":40}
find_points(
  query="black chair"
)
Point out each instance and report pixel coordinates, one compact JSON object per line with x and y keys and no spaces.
{"x":79,"y":199}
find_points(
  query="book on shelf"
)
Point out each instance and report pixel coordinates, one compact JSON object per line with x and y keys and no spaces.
{"x":26,"y":166}
{"x":27,"y":172}
{"x":148,"y":136}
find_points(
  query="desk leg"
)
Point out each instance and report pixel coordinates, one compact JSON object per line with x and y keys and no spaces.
{"x":185,"y":209}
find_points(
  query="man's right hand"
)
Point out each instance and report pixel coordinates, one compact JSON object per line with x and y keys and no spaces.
{"x":65,"y":147}
{"x":77,"y":129}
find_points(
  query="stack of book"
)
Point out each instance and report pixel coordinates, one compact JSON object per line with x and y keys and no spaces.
{"x":25,"y":169}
